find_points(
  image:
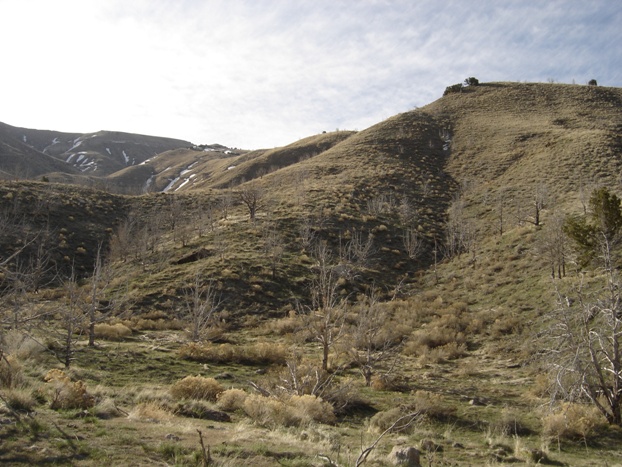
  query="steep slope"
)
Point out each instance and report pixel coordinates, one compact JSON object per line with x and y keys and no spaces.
{"x":491,"y":145}
{"x":508,"y":139}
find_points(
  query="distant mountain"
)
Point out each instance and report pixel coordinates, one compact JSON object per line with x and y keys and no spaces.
{"x":101,"y":153}
{"x":20,"y":160}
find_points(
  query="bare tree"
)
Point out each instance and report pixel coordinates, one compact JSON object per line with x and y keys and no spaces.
{"x":42,"y":268}
{"x":274,"y":247}
{"x":307,"y":233}
{"x":371,"y":344}
{"x":359,"y":249}
{"x":400,"y":424}
{"x":553,"y":245}
{"x":252,"y":196}
{"x":225,"y":202}
{"x":539,"y":202}
{"x":220,"y":243}
{"x":499,"y":205}
{"x":91,"y":299}
{"x":459,"y":231}
{"x":586,"y":341}
{"x":201,"y":301}
{"x":380,"y":204}
{"x":123,"y":238}
{"x":327,"y":315}
{"x":407,"y":212}
{"x":413,"y":242}
{"x":71,"y":318}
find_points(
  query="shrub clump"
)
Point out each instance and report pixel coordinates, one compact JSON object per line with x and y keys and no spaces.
{"x":11,"y":374}
{"x":196,"y":387}
{"x":67,"y":394}
{"x":571,"y":421}
{"x":151,"y":411}
{"x":20,"y":400}
{"x":231,"y":400}
{"x":113,"y":332}
{"x":432,"y":405}
{"x":261,"y":353}
{"x":292,"y":411}
{"x":454,"y":88}
{"x":21,"y":345}
{"x":383,"y":420}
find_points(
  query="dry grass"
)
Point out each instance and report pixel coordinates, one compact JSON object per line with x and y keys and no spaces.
{"x":66,"y":394}
{"x":152,"y":412}
{"x":571,"y":421}
{"x":11,"y":372}
{"x":112,"y":332}
{"x":21,"y":346}
{"x":383,"y":420}
{"x":290,"y":411}
{"x":197,"y":387}
{"x":260,"y":353}
{"x":20,"y":400}
{"x":231,"y":400}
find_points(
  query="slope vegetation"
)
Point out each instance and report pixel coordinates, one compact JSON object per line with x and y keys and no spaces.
{"x":449,"y":329}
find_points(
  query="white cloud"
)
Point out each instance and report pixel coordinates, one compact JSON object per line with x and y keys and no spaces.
{"x":261,"y":73}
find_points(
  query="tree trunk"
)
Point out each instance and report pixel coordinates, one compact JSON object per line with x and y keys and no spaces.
{"x":325,"y":351}
{"x":92,"y":333}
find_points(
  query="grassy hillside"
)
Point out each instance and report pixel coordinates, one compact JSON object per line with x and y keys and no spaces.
{"x":454,"y":336}
{"x":507,"y":139}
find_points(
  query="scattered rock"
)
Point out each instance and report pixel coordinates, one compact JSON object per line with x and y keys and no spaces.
{"x":408,"y":456}
{"x":172,"y":437}
{"x":225,"y":376}
{"x":477,"y":401}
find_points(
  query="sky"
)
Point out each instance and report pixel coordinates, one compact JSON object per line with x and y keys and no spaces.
{"x":264,"y":73}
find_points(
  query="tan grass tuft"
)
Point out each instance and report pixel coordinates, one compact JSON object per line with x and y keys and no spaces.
{"x":197,"y":387}
{"x":261,"y":353}
{"x":231,"y":400}
{"x":572,"y":421}
{"x":21,"y":345}
{"x":151,"y":411}
{"x":11,"y":372}
{"x":112,"y":332}
{"x":65,"y":394}
{"x":292,"y":411}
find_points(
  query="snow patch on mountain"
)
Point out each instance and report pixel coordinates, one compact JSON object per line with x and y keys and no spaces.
{"x":171,"y":184}
{"x":148,"y":184}
{"x":185,"y":181}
